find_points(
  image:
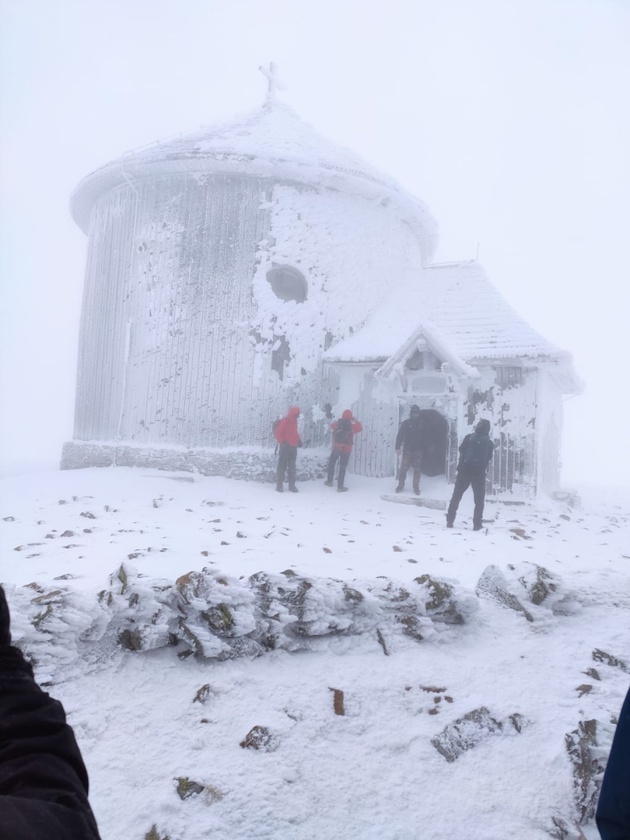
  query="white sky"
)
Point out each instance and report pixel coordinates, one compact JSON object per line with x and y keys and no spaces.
{"x":510,"y":118}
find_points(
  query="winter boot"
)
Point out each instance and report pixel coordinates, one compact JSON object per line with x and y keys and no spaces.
{"x":416,"y":491}
{"x":342,"y":489}
{"x":293,"y":488}
{"x":400,"y":488}
{"x":449,"y":521}
{"x":328,"y":483}
{"x":477,"y":526}
{"x":279,"y":488}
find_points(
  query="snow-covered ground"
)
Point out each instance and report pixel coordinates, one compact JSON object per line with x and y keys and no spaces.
{"x":337,"y":623}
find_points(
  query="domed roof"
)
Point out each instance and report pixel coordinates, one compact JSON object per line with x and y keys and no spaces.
{"x":269,"y":142}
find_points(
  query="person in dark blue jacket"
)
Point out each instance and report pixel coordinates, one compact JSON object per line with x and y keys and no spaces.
{"x":613,"y":808}
{"x":411,"y":438}
{"x":475,"y":454}
{"x":43,"y":780}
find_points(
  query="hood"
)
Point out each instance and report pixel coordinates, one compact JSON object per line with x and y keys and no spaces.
{"x":347,"y":415}
{"x":294,"y":411}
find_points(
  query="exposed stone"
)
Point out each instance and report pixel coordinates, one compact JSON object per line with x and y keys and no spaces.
{"x":154,"y":834}
{"x":465,"y":733}
{"x":593,"y":674}
{"x":121,"y":574}
{"x":352,"y":595}
{"x":581,"y":745}
{"x":382,"y":642}
{"x":47,"y":597}
{"x":131,"y":639}
{"x":260,"y":738}
{"x":219,"y":618}
{"x":441,"y":604}
{"x":202,"y":694}
{"x":608,"y":659}
{"x":411,"y":627}
{"x":492,"y":584}
{"x":187,"y":787}
{"x":543,"y":585}
{"x":563,"y":830}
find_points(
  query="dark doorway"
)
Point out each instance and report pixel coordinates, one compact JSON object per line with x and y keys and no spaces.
{"x":436,"y":436}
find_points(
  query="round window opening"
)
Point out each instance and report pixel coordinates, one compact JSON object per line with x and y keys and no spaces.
{"x":288,"y":283}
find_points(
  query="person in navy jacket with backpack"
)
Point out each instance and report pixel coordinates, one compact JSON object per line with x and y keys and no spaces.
{"x":475,"y":454}
{"x":343,"y":431}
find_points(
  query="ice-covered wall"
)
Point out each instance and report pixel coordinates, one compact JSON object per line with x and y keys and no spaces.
{"x":180,"y":323}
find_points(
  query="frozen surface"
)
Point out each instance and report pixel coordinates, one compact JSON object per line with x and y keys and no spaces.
{"x":374,"y":771}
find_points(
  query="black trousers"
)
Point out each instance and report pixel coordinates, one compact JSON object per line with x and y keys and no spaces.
{"x":467,"y":476}
{"x":286,"y":463}
{"x":410,"y":458}
{"x":343,"y":458}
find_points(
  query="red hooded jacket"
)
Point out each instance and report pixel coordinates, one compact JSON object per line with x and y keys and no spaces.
{"x":287,"y":431}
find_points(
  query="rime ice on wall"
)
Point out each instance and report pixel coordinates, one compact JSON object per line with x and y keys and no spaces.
{"x":348,"y":250}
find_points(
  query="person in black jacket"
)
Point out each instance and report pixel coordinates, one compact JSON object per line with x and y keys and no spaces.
{"x":43,"y":780}
{"x":475,"y":455}
{"x":411,"y":437}
{"x":613,"y":808}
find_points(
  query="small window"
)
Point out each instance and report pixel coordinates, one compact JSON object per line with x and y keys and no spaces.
{"x":423,"y":360}
{"x":288,"y":283}
{"x":415,"y":361}
{"x":509,"y":377}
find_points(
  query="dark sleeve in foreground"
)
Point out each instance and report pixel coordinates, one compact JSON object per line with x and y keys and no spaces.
{"x":43,"y":780}
{"x":613,"y":808}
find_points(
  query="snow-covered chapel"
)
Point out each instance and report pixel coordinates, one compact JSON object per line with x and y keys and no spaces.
{"x":253,"y":265}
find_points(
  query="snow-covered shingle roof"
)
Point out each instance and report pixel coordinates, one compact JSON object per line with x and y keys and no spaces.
{"x":459,"y":305}
{"x":269,"y":142}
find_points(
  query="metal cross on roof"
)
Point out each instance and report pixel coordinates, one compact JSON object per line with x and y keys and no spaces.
{"x":271,"y":74}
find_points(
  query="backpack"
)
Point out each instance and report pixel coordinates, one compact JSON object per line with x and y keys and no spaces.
{"x":343,"y":432}
{"x":477,"y":453}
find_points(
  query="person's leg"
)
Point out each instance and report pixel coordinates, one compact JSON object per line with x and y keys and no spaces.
{"x":462,"y":482}
{"x":344,"y":457}
{"x":331,"y":467}
{"x":405,"y":463}
{"x":292,"y":457}
{"x":479,"y":492}
{"x":282,"y":465}
{"x":417,"y":471}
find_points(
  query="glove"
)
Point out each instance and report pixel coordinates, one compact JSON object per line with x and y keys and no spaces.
{"x":5,"y":620}
{"x":300,"y":444}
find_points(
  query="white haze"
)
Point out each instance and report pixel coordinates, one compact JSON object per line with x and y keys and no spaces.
{"x":508,"y":117}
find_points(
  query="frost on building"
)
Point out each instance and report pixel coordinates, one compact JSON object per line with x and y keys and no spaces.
{"x":253,"y":265}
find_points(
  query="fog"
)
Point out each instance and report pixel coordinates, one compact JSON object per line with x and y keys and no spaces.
{"x":509,"y":118}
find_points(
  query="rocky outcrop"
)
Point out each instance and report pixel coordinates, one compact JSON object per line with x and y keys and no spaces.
{"x":528,"y":589}
{"x":468,"y":731}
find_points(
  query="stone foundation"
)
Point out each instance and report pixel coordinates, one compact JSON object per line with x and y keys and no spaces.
{"x":248,"y":465}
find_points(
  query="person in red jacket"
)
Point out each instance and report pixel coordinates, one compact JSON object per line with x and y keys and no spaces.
{"x":344,"y":431}
{"x":288,"y":437}
{"x":43,"y":780}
